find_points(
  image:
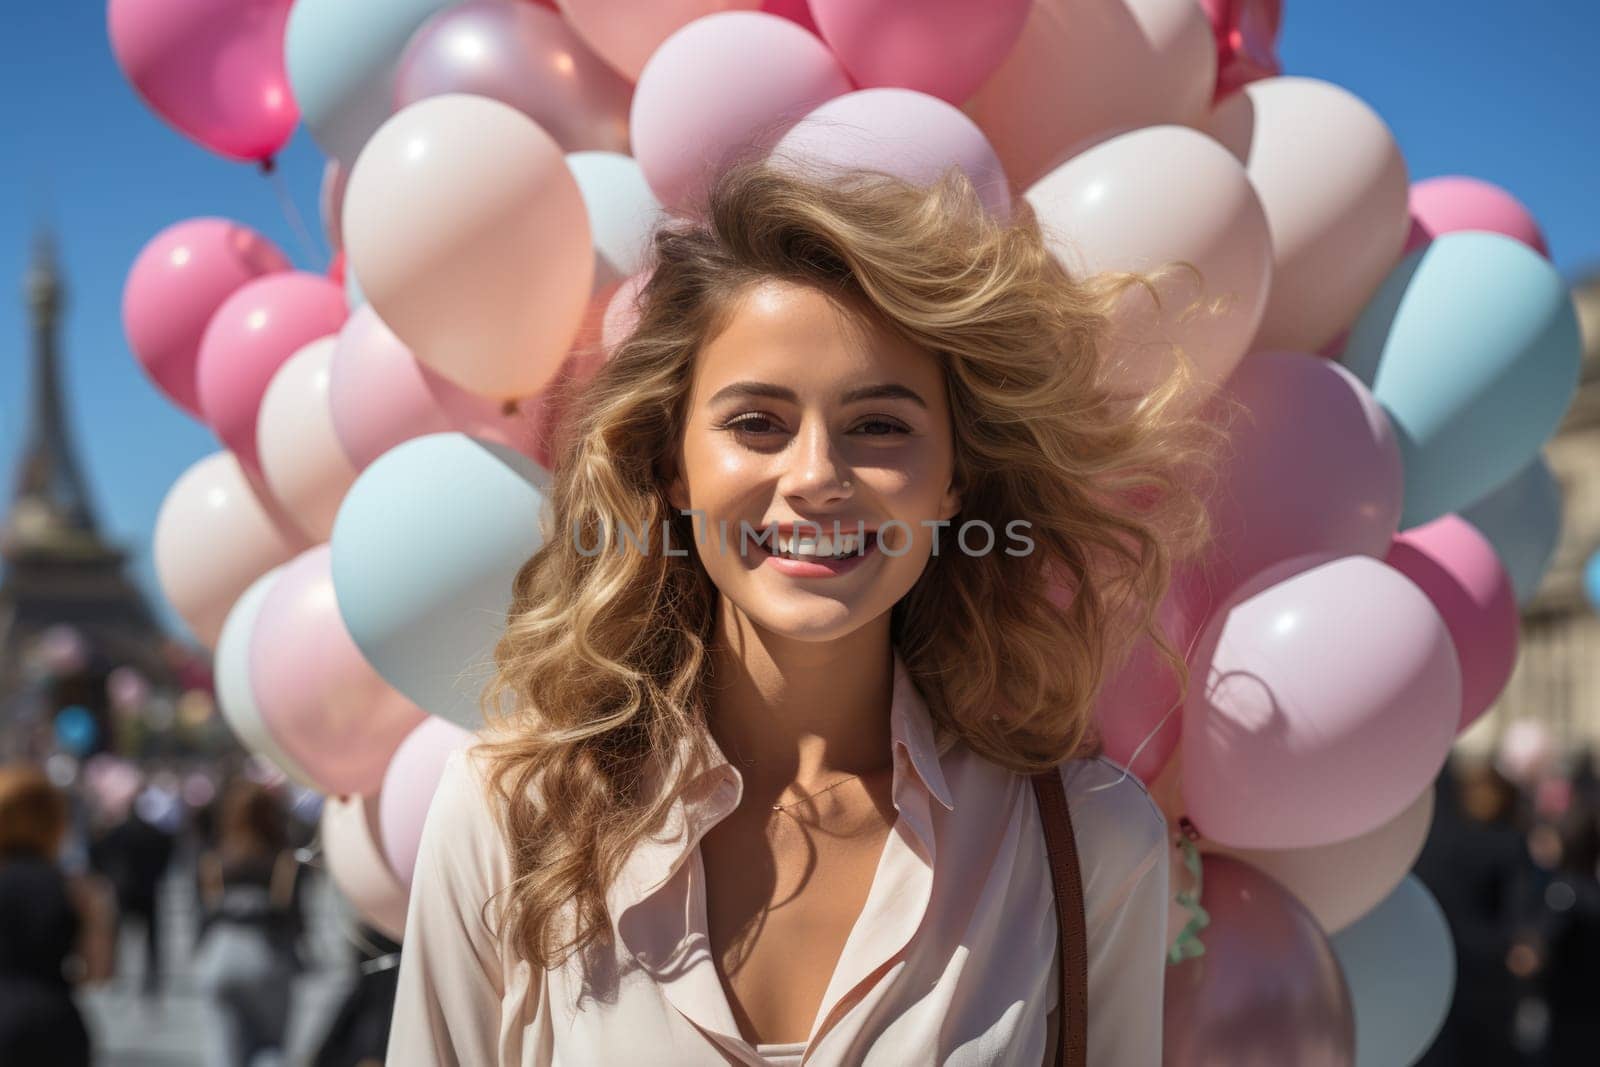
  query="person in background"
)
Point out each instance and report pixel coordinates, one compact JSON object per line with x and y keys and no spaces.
{"x":54,"y":930}
{"x":359,"y":1034}
{"x":134,"y":854}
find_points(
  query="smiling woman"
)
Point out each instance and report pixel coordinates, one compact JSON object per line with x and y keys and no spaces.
{"x":769,"y":800}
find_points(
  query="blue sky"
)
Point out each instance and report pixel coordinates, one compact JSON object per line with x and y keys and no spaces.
{"x":1499,"y":91}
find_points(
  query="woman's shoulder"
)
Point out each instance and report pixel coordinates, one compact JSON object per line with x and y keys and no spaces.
{"x":463,"y":826}
{"x":1121,"y":832}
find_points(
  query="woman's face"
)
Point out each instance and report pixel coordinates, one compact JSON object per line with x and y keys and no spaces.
{"x":804,"y":409}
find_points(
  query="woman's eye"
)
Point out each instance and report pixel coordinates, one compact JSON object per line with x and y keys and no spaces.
{"x":885,"y":427}
{"x":750,"y":424}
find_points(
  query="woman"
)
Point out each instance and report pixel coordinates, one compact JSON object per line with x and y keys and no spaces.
{"x":246,"y":958}
{"x":53,"y":930}
{"x":756,"y":806}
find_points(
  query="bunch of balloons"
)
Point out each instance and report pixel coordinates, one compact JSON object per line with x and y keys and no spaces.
{"x":494,"y":170}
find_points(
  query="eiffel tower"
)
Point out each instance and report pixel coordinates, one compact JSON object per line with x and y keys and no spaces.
{"x":55,"y":568}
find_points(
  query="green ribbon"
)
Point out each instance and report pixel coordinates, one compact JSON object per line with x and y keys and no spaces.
{"x":1188,"y":944}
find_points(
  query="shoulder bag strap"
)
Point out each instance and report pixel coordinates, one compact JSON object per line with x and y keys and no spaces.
{"x":1062,"y":847}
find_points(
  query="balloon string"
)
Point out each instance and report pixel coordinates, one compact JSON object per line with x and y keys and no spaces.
{"x":291,"y":212}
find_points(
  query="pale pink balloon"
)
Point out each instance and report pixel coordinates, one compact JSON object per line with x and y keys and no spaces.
{"x":213,"y":69}
{"x":471,"y":240}
{"x":1334,"y":186}
{"x":945,"y":48}
{"x":321,"y":700}
{"x":1454,"y":203}
{"x":1458,"y":568}
{"x":540,"y":427}
{"x":721,"y":86}
{"x":408,"y":788}
{"x":1085,"y":67}
{"x":1313,"y":465}
{"x":899,"y":131}
{"x":1140,"y":710}
{"x":1331,"y":698}
{"x":349,"y":833}
{"x":218,"y":530}
{"x":301,"y":458}
{"x":252,"y":334}
{"x":626,"y":33}
{"x":525,"y":56}
{"x":180,"y":279}
{"x":1154,"y":198}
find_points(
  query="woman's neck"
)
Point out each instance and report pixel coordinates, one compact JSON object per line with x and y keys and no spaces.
{"x":786,"y":711}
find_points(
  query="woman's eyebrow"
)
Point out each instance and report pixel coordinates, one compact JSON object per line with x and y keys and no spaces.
{"x":882,"y":391}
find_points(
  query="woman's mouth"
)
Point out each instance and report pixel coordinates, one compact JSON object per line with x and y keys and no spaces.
{"x":814,"y":556}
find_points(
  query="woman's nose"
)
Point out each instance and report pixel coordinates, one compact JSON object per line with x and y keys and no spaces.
{"x":814,"y":470}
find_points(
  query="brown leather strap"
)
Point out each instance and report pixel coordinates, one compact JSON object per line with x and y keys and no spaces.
{"x":1061,"y":845}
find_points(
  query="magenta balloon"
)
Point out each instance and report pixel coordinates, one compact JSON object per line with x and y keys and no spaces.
{"x":796,"y":11}
{"x":525,"y":56}
{"x":1247,"y":33}
{"x":1457,"y":567}
{"x":181,"y":278}
{"x":945,"y":48}
{"x":1331,"y":695}
{"x":320,"y":699}
{"x":903,"y":132}
{"x":212,"y":68}
{"x":408,"y":788}
{"x":719,"y":86}
{"x":252,"y":334}
{"x":1267,"y":991}
{"x":1314,"y":466}
{"x":1452,"y":204}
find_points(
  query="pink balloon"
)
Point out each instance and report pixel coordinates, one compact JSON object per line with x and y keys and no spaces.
{"x":252,"y":334}
{"x":180,"y":279}
{"x":796,"y":11}
{"x":330,"y":201}
{"x":1140,"y":711}
{"x":902,"y":132}
{"x":1267,"y":990}
{"x":1314,"y":466}
{"x":1457,"y":567}
{"x":1453,"y":203}
{"x":320,"y":699}
{"x":1332,"y":694}
{"x":349,"y":832}
{"x":301,"y":457}
{"x":525,"y":56}
{"x":212,"y":68}
{"x":626,"y":33}
{"x":408,"y":788}
{"x":719,"y":86}
{"x":945,"y":48}
{"x":1246,"y":33}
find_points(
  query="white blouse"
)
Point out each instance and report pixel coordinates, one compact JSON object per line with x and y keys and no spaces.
{"x":952,"y":960}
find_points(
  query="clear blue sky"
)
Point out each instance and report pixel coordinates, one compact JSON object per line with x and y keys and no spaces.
{"x":1505,"y":92}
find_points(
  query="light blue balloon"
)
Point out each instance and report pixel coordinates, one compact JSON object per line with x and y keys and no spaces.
{"x":622,"y":213}
{"x":1591,"y":580}
{"x":425,"y":547}
{"x":76,"y":729}
{"x":1400,"y":964}
{"x":341,"y":57}
{"x":1472,"y":347}
{"x":1522,"y":520}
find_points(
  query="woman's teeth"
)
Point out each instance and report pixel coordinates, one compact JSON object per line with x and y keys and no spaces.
{"x":797,"y":547}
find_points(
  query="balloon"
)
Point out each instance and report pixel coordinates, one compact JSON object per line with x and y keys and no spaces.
{"x":1152,"y":197}
{"x":349,"y":833}
{"x":1331,"y":698}
{"x":1334,"y":187}
{"x":1400,"y":964}
{"x":321,"y":701}
{"x":1139,"y":709}
{"x":1456,"y":566}
{"x":626,"y":33}
{"x":1522,"y":519}
{"x":945,"y":48}
{"x":181,"y":278}
{"x":718,"y":87}
{"x":1314,"y":466}
{"x":524,"y":56}
{"x":217,"y":531}
{"x":1246,"y":32}
{"x":341,"y":57}
{"x":252,"y":334}
{"x":469,"y":236}
{"x":1085,"y":67}
{"x":1452,"y":204}
{"x":906,"y":133}
{"x":427,"y":599}
{"x":623,"y":214}
{"x":408,"y":788}
{"x":213,"y":69}
{"x":797,"y":11}
{"x":330,"y":200}
{"x":301,"y":458}
{"x":1472,"y":347}
{"x":235,"y":694}
{"x":76,"y":730}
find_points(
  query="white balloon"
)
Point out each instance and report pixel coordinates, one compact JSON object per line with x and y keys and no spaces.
{"x":235,"y":694}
